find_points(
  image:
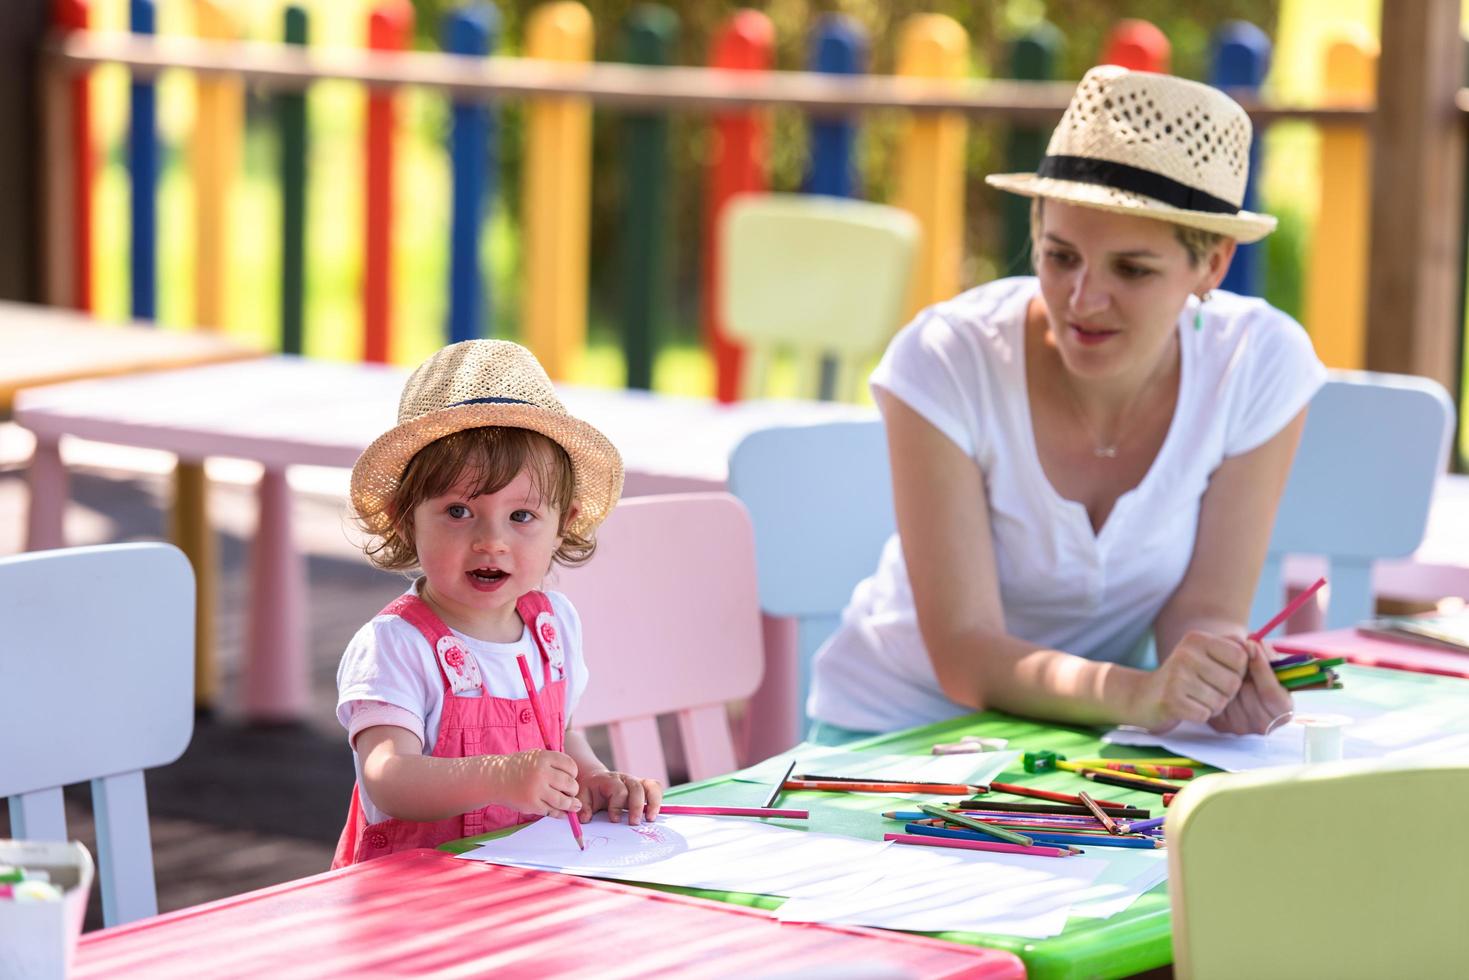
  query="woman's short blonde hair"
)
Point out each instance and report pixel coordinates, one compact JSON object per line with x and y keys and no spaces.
{"x":1197,"y":242}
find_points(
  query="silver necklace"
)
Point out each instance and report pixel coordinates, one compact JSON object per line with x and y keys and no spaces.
{"x":1101,"y":448}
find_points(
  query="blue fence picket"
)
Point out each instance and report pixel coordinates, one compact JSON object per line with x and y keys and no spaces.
{"x":1240,"y":58}
{"x":143,"y":167}
{"x":470,"y":30}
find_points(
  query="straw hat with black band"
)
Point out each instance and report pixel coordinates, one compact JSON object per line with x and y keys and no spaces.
{"x":1153,"y":146}
{"x":478,"y":383}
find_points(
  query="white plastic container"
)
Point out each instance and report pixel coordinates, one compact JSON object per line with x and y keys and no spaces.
{"x":39,"y":939}
{"x":1323,"y":736}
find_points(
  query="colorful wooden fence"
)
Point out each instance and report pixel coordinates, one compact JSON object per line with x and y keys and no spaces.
{"x":929,"y":168}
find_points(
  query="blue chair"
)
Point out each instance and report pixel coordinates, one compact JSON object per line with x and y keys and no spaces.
{"x":821,"y":500}
{"x":109,"y":630}
{"x":1360,"y":487}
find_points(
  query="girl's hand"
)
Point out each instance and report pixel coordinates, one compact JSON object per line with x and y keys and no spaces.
{"x":617,"y":792}
{"x":1197,"y":681}
{"x":1261,"y":705}
{"x":538,"y":781}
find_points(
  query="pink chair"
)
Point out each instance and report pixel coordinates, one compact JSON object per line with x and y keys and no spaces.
{"x":671,"y":622}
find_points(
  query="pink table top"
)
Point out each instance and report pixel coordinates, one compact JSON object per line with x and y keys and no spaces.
{"x":419,"y":912}
{"x":1373,"y":651}
{"x":284,"y":411}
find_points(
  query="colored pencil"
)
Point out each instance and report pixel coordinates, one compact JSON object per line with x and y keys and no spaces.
{"x":935,"y":789}
{"x":535,"y":707}
{"x":1128,"y":782}
{"x":1135,"y":777}
{"x":1323,"y":677}
{"x":1079,"y":840}
{"x":1098,"y":812}
{"x":1321,"y":664}
{"x":734,"y":811}
{"x":973,"y":823}
{"x":1075,"y":809}
{"x":1044,"y":794}
{"x":1021,"y":823}
{"x":1304,"y":670}
{"x":1136,"y":826}
{"x":1290,"y":607}
{"x":1291,"y":660}
{"x":981,"y":845}
{"x":814,"y":778}
{"x":1328,"y":683}
{"x":1100,"y":840}
{"x":1171,"y":760}
{"x":779,"y":785}
{"x":1157,"y":772}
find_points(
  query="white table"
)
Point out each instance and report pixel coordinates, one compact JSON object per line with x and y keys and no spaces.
{"x":287,"y":411}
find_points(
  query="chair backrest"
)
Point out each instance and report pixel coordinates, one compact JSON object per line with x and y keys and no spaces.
{"x":1296,"y":872}
{"x":1360,"y":486}
{"x":671,"y":625}
{"x":821,"y":499}
{"x":97,"y":673}
{"x":817,"y":276}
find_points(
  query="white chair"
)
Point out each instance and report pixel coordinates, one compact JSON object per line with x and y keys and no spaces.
{"x":672,"y":627}
{"x":1360,"y":487}
{"x":97,"y":677}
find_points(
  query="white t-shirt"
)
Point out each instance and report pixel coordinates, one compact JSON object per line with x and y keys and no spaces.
{"x":961,"y":366}
{"x":389,"y":661}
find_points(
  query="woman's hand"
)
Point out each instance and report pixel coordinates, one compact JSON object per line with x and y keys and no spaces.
{"x":1261,"y":705}
{"x":617,"y":793}
{"x":1198,"y":680}
{"x":538,"y":781}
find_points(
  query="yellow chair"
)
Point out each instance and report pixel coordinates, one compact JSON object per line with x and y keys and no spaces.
{"x":820,"y":277}
{"x":1342,"y":870}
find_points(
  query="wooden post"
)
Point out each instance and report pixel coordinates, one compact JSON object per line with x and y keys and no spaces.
{"x":1335,"y":309}
{"x":1417,"y":189}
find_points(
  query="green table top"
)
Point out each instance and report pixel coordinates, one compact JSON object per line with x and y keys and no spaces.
{"x":1134,"y":940}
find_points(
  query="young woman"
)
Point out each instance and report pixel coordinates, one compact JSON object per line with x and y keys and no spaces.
{"x":1090,"y":459}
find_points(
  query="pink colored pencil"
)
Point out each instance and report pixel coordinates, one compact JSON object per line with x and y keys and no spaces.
{"x":535,"y":707}
{"x":980,"y":845}
{"x":734,"y":811}
{"x":1284,"y":614}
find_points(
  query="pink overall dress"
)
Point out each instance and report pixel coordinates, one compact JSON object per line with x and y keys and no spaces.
{"x":468,"y":726}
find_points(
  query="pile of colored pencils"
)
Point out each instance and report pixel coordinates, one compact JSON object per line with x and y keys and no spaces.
{"x":1303,"y":672}
{"x":1044,"y":830}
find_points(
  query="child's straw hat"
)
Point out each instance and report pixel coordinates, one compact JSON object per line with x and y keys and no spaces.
{"x":477,"y":383}
{"x":1150,"y":145}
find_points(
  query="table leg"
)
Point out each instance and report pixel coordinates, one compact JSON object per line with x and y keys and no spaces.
{"x":277,"y":674}
{"x":195,"y":538}
{"x":47,"y":480}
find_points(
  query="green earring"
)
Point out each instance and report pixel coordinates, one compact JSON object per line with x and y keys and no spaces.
{"x":1199,"y":311}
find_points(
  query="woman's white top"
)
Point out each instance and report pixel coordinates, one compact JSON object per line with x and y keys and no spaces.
{"x":389,"y":663}
{"x":961,"y":366}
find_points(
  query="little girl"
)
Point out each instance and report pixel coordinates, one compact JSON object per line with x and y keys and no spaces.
{"x":482,"y":484}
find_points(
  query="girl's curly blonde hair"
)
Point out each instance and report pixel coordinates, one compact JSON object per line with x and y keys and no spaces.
{"x":488,"y":457}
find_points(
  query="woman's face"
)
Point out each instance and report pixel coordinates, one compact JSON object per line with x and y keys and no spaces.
{"x":1114,"y":285}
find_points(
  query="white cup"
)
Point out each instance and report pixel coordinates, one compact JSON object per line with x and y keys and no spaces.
{"x":1323,"y":736}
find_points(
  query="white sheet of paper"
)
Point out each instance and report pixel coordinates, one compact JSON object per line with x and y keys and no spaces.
{"x":720,"y":853}
{"x":932,"y":889}
{"x":969,"y":768}
{"x":1412,"y":714}
{"x":1130,"y":873}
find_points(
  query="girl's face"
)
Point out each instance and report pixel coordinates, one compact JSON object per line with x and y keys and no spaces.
{"x":480,"y":554}
{"x":1113,"y":287}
